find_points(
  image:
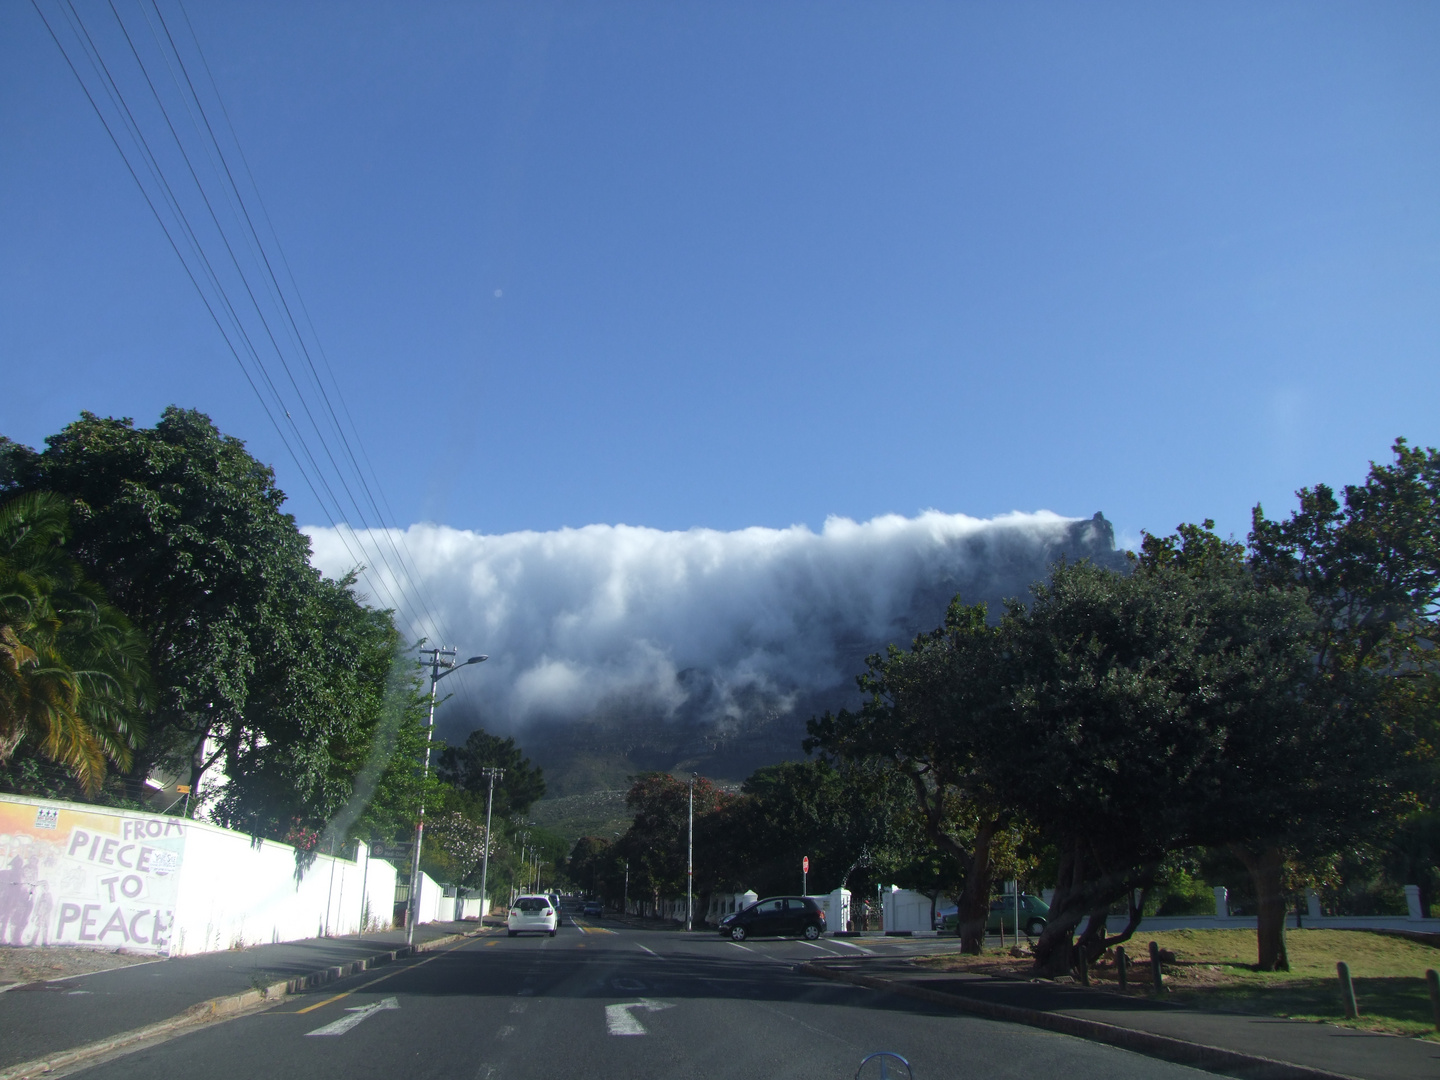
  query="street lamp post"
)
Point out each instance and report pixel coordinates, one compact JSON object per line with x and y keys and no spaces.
{"x":690,"y":863}
{"x":493,"y":774}
{"x":439,"y":659}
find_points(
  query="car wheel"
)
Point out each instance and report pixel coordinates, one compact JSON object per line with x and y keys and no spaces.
{"x":812,"y":932}
{"x":1035,"y":927}
{"x":737,"y":933}
{"x":512,"y":933}
{"x":552,"y":933}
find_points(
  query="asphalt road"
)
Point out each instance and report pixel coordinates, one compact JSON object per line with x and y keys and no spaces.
{"x":596,"y":1003}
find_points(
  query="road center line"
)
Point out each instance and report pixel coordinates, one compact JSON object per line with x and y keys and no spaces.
{"x":652,"y":952}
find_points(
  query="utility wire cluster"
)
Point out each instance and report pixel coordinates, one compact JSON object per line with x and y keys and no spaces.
{"x":148,"y":81}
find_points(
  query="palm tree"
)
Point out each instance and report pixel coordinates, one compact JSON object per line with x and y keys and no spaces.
{"x":74,"y":675}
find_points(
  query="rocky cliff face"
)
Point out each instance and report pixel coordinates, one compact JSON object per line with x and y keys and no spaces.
{"x":749,"y":708}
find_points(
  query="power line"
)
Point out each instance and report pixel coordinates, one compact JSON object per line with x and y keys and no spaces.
{"x":399,"y":579}
{"x":136,"y":133}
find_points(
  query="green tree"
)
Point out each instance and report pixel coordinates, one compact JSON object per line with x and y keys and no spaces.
{"x":590,"y":864}
{"x":1155,"y":710}
{"x":263,"y":668}
{"x":1369,"y":564}
{"x":655,"y":843}
{"x":74,"y":674}
{"x":934,"y":712}
{"x":845,"y":816}
{"x":313,"y":714}
{"x":184,"y":532}
{"x":463,"y":767}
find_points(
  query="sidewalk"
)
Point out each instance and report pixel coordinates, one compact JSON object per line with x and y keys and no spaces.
{"x":42,"y":1019}
{"x":1233,"y":1044}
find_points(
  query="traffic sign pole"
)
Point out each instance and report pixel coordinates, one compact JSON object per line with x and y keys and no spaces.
{"x":805,"y":876}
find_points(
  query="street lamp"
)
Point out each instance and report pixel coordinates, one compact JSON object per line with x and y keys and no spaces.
{"x":442,"y":663}
{"x":690,"y":862}
{"x":493,"y":774}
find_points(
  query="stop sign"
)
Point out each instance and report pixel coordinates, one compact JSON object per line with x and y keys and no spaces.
{"x":805,"y":865}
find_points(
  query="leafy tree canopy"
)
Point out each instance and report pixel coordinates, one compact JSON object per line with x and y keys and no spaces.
{"x":74,"y":674}
{"x":260,"y":666}
{"x":463,"y":767}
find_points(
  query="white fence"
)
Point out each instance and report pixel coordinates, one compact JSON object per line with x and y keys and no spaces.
{"x":73,"y":874}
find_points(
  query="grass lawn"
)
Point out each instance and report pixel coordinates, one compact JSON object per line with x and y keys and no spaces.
{"x":1214,"y":969}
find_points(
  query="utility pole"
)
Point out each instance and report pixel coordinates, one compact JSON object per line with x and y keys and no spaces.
{"x":690,"y":863}
{"x":493,"y":774}
{"x":625,"y":896}
{"x":442,"y":663}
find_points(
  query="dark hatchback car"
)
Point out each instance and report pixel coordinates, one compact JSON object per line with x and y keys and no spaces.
{"x":776,"y":916}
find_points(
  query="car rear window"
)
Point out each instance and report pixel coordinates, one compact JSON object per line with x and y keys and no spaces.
{"x":532,"y":903}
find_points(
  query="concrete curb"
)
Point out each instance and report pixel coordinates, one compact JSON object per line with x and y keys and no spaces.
{"x":1165,"y":1047}
{"x":220,"y":1008}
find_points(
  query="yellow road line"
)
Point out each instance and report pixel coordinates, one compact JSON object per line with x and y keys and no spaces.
{"x":592,"y":929}
{"x":382,"y":978}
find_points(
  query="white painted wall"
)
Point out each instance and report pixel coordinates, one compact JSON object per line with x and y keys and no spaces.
{"x":836,"y":906}
{"x":432,"y":901}
{"x":906,"y":911}
{"x":200,"y":888}
{"x":235,"y":893}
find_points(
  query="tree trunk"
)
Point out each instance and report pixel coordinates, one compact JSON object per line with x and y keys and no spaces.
{"x":972,"y":907}
{"x":1054,"y":952}
{"x":1267,"y":871}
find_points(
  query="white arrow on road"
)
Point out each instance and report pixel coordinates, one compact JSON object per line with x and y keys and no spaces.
{"x":621,"y":1021}
{"x":358,"y":1013}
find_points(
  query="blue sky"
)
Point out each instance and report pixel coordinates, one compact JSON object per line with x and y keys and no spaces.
{"x":727,"y":265}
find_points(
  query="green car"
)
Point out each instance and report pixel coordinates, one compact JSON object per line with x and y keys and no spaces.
{"x":1033,"y":913}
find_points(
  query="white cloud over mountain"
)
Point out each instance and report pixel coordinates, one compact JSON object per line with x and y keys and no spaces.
{"x":700,"y":624}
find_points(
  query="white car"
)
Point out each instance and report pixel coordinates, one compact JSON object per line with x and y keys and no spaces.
{"x":533,"y":914}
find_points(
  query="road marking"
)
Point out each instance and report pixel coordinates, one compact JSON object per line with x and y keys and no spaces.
{"x":619,"y":1020}
{"x":491,"y":944}
{"x":814,"y":946}
{"x":357,"y":1014}
{"x":382,"y":978}
{"x":754,"y":952}
{"x":652,"y":952}
{"x":857,"y":948}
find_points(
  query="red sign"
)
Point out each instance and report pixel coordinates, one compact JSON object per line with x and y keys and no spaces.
{"x":805,"y":866}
